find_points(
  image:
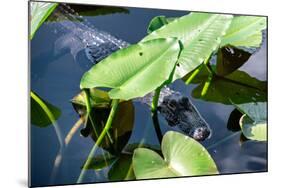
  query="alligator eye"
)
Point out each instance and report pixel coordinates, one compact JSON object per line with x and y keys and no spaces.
{"x":185,"y":101}
{"x":172,"y":104}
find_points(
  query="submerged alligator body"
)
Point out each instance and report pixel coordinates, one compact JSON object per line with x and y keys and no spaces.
{"x":177,"y":109}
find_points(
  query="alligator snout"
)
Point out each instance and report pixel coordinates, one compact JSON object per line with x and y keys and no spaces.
{"x":179,"y":111}
{"x":201,"y":133}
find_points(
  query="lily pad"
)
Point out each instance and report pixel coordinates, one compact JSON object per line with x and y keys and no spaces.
{"x":132,"y":70}
{"x":200,"y":34}
{"x":183,"y":156}
{"x":253,"y":130}
{"x":254,"y":121}
{"x":39,"y":12}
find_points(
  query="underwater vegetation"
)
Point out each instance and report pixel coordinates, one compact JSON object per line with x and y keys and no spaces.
{"x":202,"y":49}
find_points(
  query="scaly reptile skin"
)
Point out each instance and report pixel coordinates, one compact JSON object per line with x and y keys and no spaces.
{"x":177,"y":109}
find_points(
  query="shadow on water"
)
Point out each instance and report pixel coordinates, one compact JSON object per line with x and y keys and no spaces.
{"x":56,"y":77}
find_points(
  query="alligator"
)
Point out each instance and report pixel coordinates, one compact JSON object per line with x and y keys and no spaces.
{"x":176,"y":108}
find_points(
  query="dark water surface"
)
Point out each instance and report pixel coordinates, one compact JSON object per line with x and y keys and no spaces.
{"x":56,"y":79}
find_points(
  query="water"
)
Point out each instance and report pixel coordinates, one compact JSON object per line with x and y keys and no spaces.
{"x":56,"y":79}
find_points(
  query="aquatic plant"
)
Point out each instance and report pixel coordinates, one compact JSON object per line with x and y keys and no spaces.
{"x":183,"y":156}
{"x":199,"y":48}
{"x":38,"y":14}
{"x":254,"y":121}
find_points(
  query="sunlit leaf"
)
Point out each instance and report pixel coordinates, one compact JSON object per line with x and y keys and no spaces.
{"x":245,"y":31}
{"x":253,"y":130}
{"x":132,"y":70}
{"x":43,"y":113}
{"x":39,"y":12}
{"x":156,"y":23}
{"x":200,"y":34}
{"x":183,"y":156}
{"x":254,"y":121}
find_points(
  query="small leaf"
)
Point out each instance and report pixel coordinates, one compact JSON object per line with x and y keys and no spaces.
{"x":39,"y":13}
{"x":98,"y":99}
{"x":132,"y":70}
{"x":183,"y":156}
{"x":254,"y":121}
{"x":254,"y":110}
{"x":245,"y":31}
{"x":39,"y":109}
{"x":252,"y":130}
{"x":156,"y":23}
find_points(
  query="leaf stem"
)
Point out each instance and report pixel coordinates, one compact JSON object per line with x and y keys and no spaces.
{"x":157,"y":126}
{"x":207,"y":85}
{"x":115,"y":103}
{"x":196,"y":71}
{"x":155,"y":99}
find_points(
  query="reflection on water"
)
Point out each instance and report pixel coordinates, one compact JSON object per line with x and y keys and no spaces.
{"x":56,"y":79}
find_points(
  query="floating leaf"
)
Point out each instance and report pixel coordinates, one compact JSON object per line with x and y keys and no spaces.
{"x":245,"y":31}
{"x":238,"y":87}
{"x":132,"y":70}
{"x":183,"y":156}
{"x":200,"y":34}
{"x":43,"y":113}
{"x":254,"y":121}
{"x":39,"y":12}
{"x":254,"y":110}
{"x":122,"y":169}
{"x":252,"y":130}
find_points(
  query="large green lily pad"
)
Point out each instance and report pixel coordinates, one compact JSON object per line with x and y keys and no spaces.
{"x":200,"y":34}
{"x":183,"y":156}
{"x":131,"y":72}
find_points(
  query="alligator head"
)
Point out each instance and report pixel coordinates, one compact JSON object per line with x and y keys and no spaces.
{"x":179,"y":111}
